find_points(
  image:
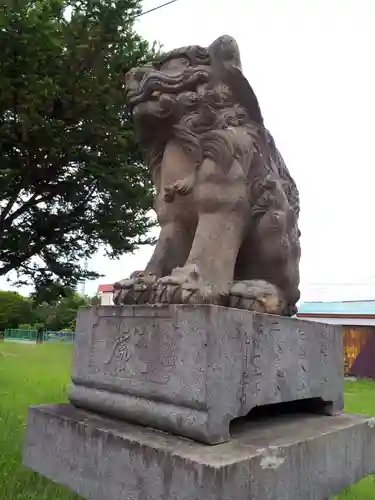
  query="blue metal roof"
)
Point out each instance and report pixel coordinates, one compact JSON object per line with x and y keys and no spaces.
{"x":360,"y":308}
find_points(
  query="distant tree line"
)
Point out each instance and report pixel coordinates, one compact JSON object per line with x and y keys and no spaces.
{"x":17,"y":311}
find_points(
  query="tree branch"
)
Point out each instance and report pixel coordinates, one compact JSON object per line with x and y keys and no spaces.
{"x":31,"y":202}
{"x":21,"y":260}
{"x":8,"y":207}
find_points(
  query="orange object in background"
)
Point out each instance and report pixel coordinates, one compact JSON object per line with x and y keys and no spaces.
{"x":357,"y":319}
{"x":355,"y":340}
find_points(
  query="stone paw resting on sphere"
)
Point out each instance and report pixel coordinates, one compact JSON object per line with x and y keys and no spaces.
{"x":134,"y":290}
{"x":257,"y":295}
{"x":226,"y":203}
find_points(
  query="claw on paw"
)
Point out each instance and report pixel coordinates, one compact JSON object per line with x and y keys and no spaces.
{"x":182,"y":187}
{"x":185,"y":286}
{"x":134,"y":290}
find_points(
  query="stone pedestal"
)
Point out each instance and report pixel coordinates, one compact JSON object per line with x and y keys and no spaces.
{"x":191,"y":370}
{"x":290,"y":458}
{"x":157,"y":392}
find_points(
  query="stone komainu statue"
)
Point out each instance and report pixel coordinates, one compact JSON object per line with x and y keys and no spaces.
{"x":225,"y":201}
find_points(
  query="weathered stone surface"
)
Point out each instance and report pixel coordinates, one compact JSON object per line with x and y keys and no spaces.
{"x":226,"y":203}
{"x":300,"y":458}
{"x":190,"y":370}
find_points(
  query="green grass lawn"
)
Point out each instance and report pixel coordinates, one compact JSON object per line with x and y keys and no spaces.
{"x":29,"y":374}
{"x":35,"y":374}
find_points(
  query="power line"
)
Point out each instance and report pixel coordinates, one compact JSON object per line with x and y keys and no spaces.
{"x":155,"y":8}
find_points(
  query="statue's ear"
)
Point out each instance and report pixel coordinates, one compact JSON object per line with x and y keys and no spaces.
{"x":224,"y":50}
{"x":243,"y":93}
{"x":225,"y":61}
{"x":291,"y":218}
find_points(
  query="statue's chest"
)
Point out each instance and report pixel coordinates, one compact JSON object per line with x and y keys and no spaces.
{"x":176,"y":165}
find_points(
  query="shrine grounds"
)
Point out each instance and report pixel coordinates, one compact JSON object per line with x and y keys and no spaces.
{"x":35,"y":374}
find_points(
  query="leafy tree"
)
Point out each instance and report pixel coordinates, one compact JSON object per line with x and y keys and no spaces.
{"x":61,"y":314}
{"x":71,"y":178}
{"x":14,"y":310}
{"x":26,"y":326}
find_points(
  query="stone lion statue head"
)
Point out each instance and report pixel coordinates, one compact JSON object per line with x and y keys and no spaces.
{"x":158,"y":91}
{"x":189,"y":92}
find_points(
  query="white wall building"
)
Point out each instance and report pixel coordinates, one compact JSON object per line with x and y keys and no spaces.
{"x":105,"y":293}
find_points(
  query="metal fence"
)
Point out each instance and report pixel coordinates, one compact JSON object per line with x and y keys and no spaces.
{"x":32,"y":335}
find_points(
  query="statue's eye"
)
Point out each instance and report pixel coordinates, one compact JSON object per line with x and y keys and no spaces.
{"x":175,"y":64}
{"x":139,"y":74}
{"x":183,"y":61}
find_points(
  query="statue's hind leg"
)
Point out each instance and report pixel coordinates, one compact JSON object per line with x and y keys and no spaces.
{"x":257,"y":295}
{"x":267,"y":273}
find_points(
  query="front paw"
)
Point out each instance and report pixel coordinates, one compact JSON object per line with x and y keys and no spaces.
{"x":185,"y":286}
{"x":134,"y":290}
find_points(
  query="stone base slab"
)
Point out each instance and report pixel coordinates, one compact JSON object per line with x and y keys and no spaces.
{"x":191,"y":370}
{"x":288,"y":458}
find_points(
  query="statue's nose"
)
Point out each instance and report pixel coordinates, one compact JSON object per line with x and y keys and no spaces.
{"x":138,"y":74}
{"x":135,"y":75}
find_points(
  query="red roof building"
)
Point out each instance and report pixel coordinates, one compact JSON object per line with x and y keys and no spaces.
{"x":105,"y":288}
{"x":105,"y":293}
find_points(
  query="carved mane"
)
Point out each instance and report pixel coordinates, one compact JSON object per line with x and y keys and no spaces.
{"x":196,"y":55}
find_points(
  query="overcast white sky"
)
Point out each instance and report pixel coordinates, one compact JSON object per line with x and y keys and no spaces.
{"x":311,"y":64}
